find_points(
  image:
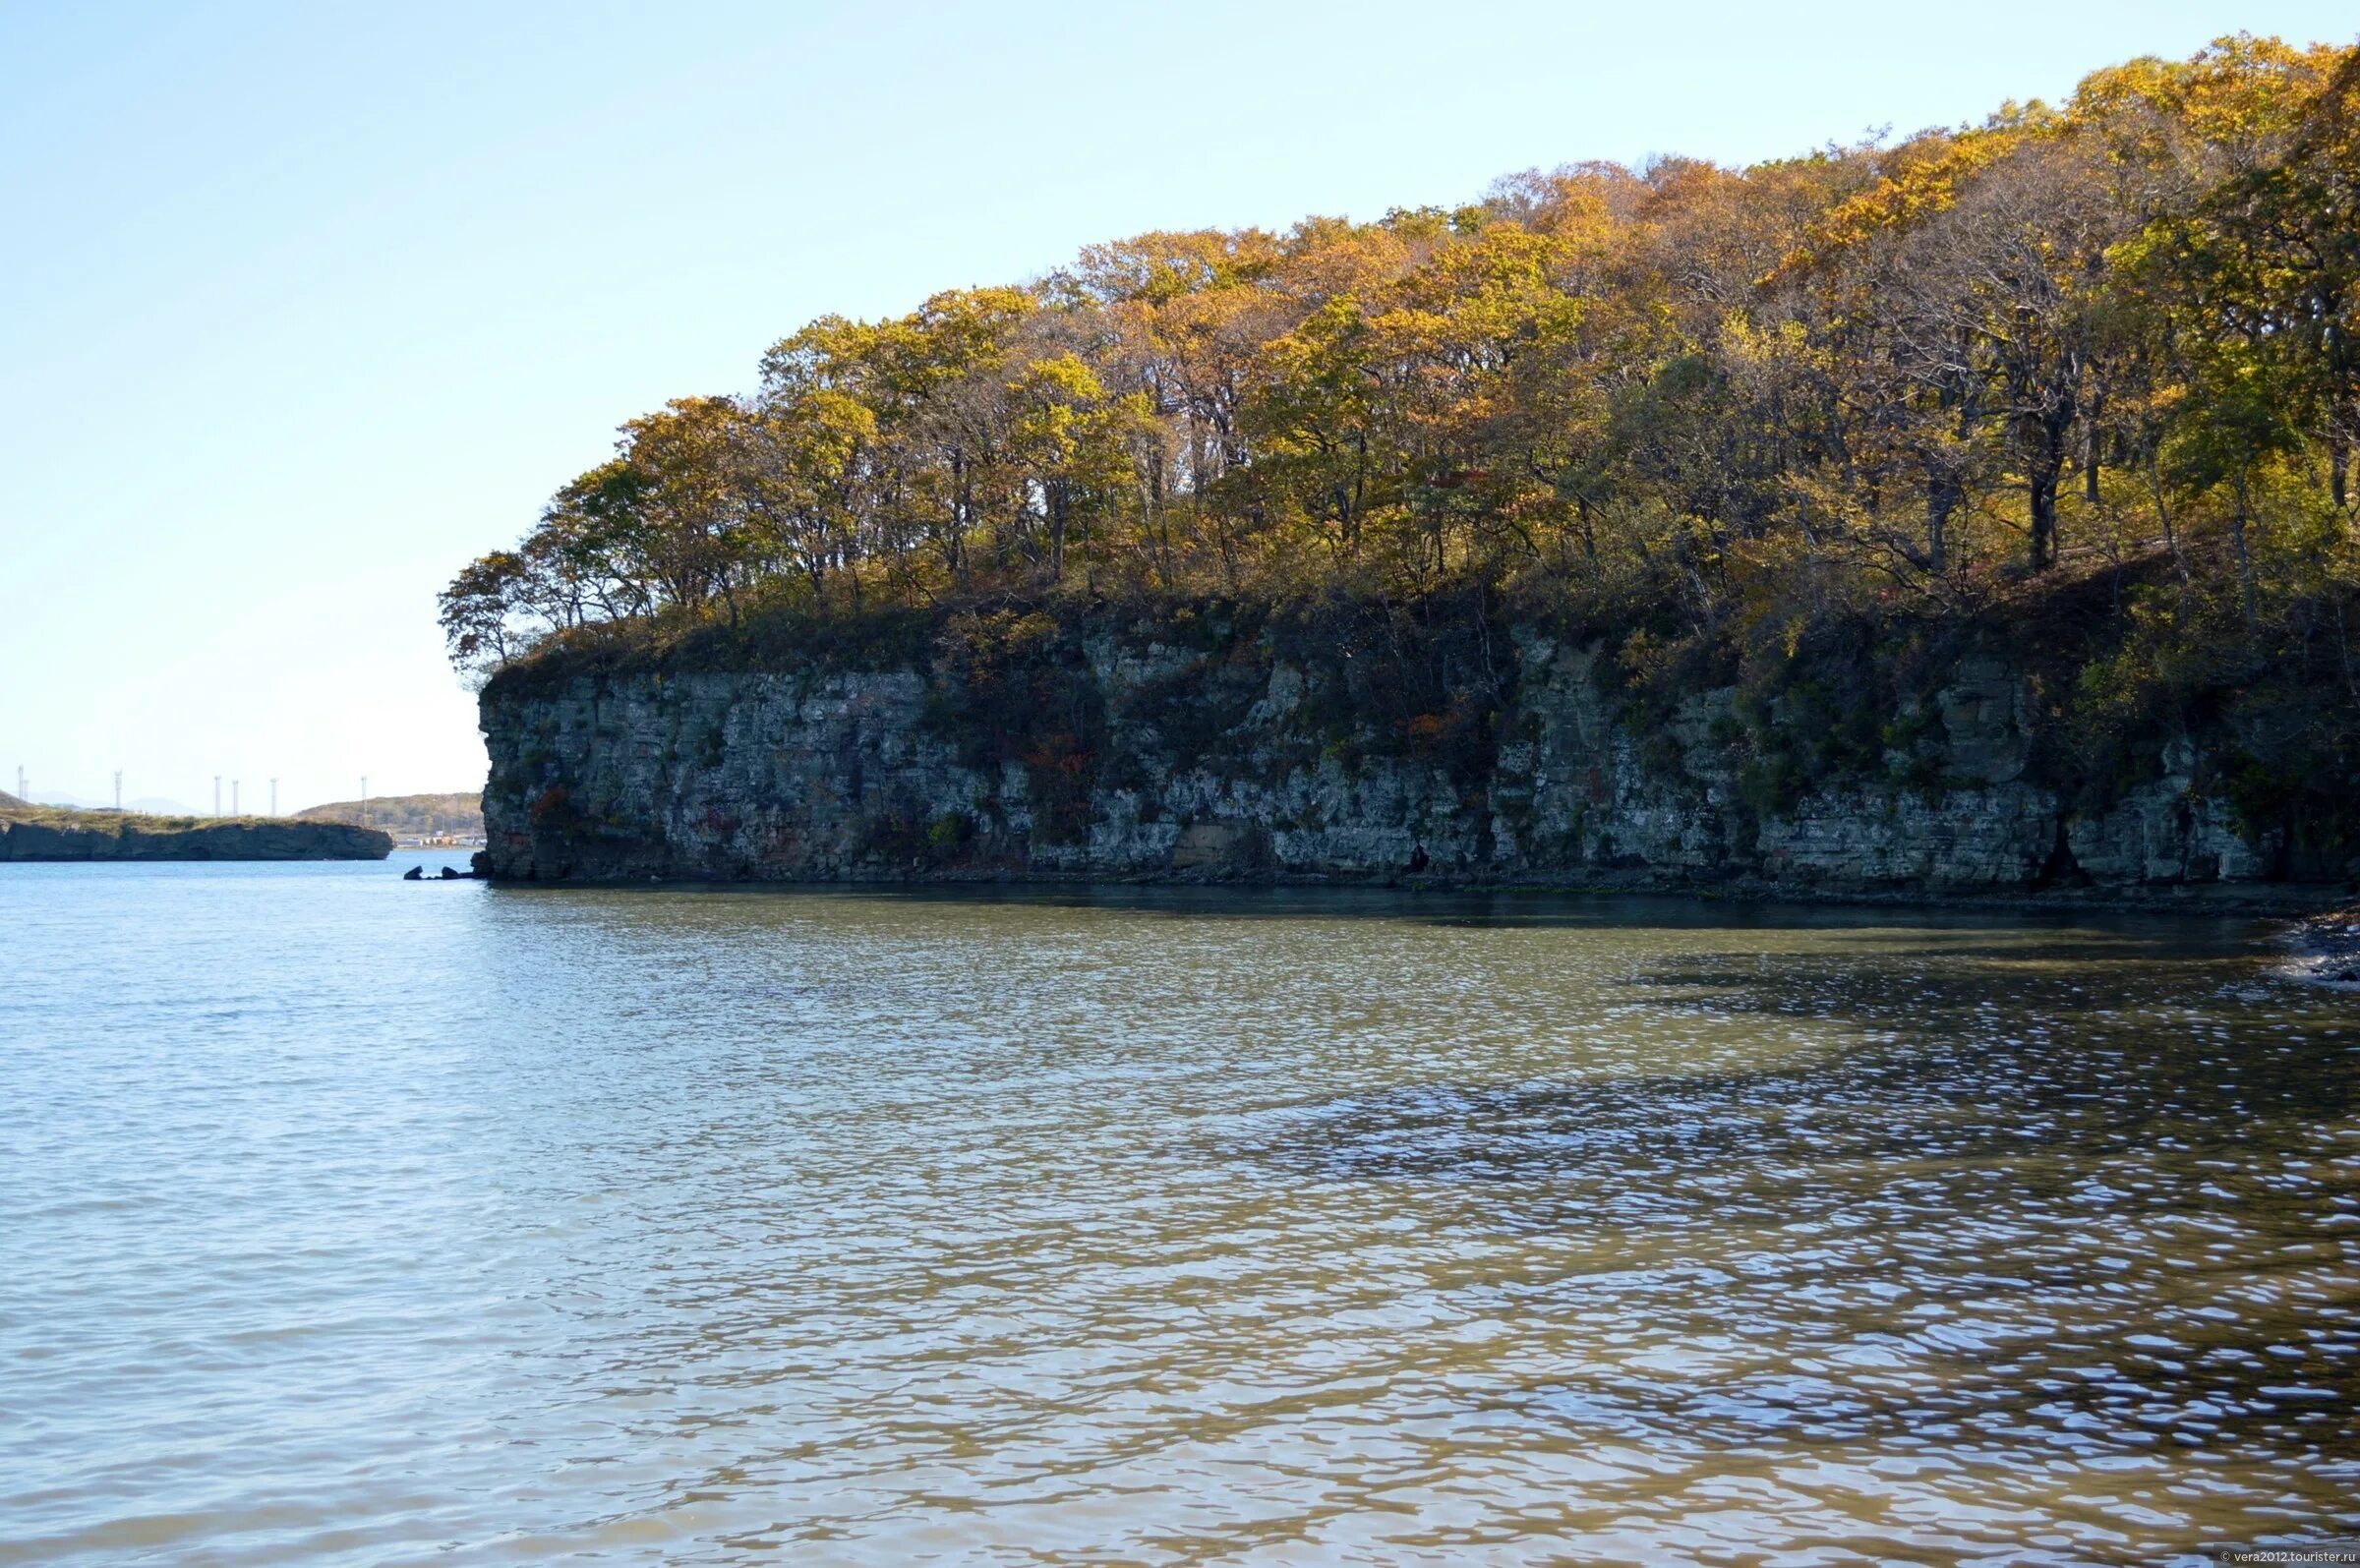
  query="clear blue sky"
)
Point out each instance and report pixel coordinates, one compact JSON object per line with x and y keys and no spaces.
{"x":302,"y":305}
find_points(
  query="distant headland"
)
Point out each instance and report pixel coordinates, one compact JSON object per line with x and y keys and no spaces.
{"x":30,"y":832}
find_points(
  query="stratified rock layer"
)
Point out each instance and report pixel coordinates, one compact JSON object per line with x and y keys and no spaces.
{"x":1231,"y":768}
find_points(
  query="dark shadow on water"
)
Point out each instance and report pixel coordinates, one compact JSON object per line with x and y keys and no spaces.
{"x":1485,"y":909}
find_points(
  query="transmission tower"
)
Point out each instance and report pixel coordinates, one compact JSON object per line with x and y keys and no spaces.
{"x":118,"y":789}
{"x":274,"y":797}
{"x":233,"y":799}
{"x":216,"y":795}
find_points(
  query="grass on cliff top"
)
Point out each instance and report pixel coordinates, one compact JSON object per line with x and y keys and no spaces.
{"x":785,"y":631}
{"x":118,"y":822}
{"x":788,"y":633}
{"x":767,"y":637}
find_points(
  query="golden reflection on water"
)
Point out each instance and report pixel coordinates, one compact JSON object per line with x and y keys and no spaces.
{"x":362,"y":1223}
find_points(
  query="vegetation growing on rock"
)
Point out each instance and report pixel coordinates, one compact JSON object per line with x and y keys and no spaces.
{"x":2081,"y":383}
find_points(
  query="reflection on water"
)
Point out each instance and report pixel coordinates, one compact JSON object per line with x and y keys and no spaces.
{"x":358,"y":1222}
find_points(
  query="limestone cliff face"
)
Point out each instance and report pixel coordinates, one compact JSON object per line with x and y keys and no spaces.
{"x":1237,"y":766}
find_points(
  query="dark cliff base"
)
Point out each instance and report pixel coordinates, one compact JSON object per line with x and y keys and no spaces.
{"x":106,"y":836}
{"x":2308,"y":902}
{"x":1209,"y":744}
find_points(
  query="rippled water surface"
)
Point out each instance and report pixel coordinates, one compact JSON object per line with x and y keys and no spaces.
{"x":360,"y":1222}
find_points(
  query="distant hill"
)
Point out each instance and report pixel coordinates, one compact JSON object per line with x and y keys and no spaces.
{"x":9,"y":802}
{"x":458,"y":815}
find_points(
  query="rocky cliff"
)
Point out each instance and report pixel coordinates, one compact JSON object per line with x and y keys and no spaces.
{"x":1135,"y":757}
{"x":52,"y":834}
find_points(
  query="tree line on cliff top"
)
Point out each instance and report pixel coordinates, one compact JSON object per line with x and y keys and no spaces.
{"x":1933,"y":377}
